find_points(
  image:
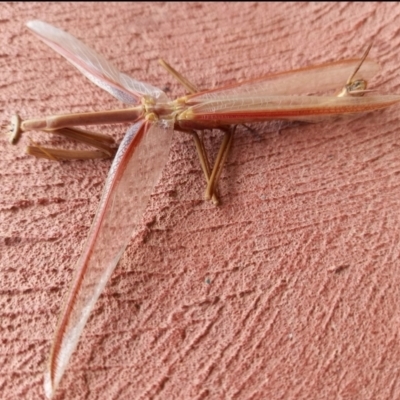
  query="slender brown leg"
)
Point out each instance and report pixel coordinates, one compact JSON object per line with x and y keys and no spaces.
{"x":211,"y":178}
{"x":55,"y":154}
{"x":225,"y":156}
{"x":179,"y":77}
{"x":205,"y":166}
{"x":99,"y":141}
{"x":41,"y":152}
{"x":219,"y":162}
{"x":102,"y":142}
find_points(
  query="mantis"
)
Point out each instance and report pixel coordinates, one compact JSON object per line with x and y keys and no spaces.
{"x":144,"y":150}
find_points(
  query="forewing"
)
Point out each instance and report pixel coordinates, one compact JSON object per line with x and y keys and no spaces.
{"x":310,"y":80}
{"x":299,"y":108}
{"x":94,"y":66}
{"x":133,"y":175}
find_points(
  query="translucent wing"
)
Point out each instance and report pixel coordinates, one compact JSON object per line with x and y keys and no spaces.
{"x":249,"y":109}
{"x":311,"y":80}
{"x":133,"y":175}
{"x":94,"y":66}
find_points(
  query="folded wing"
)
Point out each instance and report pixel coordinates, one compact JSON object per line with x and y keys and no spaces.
{"x":310,"y":80}
{"x":298,"y":108}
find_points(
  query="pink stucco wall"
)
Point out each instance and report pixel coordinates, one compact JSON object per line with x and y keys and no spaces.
{"x":289,"y":290}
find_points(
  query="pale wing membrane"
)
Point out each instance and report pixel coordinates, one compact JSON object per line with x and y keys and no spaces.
{"x":133,"y":175}
{"x":298,"y":108}
{"x":94,"y":66}
{"x":310,"y":80}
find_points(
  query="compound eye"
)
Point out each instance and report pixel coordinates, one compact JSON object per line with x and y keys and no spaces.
{"x":357,"y":88}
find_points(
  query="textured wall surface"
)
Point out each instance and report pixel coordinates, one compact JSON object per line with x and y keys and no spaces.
{"x":288,"y":290}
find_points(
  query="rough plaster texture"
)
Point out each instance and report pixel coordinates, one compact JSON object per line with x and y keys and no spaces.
{"x":289,"y":290}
